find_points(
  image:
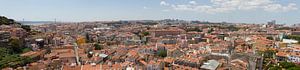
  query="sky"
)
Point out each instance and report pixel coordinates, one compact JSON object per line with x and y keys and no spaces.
{"x":236,"y":11}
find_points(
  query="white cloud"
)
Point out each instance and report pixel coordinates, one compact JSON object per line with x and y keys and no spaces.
{"x":164,"y":3}
{"x":218,"y":6}
{"x":193,"y":2}
{"x":276,"y":7}
{"x":145,"y":7}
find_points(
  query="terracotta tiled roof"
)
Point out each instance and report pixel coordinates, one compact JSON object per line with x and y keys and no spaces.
{"x":282,"y":54}
{"x":169,"y":60}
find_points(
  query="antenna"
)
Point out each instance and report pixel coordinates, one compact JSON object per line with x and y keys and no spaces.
{"x":54,"y":20}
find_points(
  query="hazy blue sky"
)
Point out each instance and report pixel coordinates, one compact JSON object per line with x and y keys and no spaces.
{"x":249,"y":11}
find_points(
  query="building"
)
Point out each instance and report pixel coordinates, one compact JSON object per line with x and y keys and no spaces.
{"x":40,"y":43}
{"x":295,"y":32}
{"x":4,"y":36}
{"x":188,"y":62}
{"x":18,"y":32}
{"x":281,"y":56}
{"x":294,"y":57}
{"x":210,"y":65}
{"x":169,"y":41}
{"x":158,"y":33}
{"x":174,"y":53}
{"x":294,"y":54}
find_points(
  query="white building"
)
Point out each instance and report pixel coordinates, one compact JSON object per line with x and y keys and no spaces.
{"x":294,"y":57}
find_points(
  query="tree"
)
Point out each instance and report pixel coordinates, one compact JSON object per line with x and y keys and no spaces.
{"x":4,"y":52}
{"x":294,"y":68}
{"x":138,"y":33}
{"x":146,"y":33}
{"x":295,"y":37}
{"x":284,"y":28}
{"x":16,"y":45}
{"x":87,"y":36}
{"x":210,"y":30}
{"x":9,"y":55}
{"x":189,"y":29}
{"x":143,"y":34}
{"x":14,"y":61}
{"x":233,"y":28}
{"x":162,"y":53}
{"x":80,"y":40}
{"x":98,"y":47}
{"x":5,"y":21}
{"x":269,"y":53}
{"x":270,"y":38}
{"x":287,"y":64}
{"x":275,"y":68}
{"x":26,"y":27}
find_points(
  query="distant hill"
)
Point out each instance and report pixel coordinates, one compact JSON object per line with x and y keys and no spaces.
{"x":35,"y":22}
{"x":6,"y":21}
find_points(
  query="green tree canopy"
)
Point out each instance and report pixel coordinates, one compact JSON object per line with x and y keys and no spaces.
{"x":146,"y":33}
{"x":10,"y":54}
{"x":98,"y":47}
{"x":4,"y":52}
{"x":210,"y":30}
{"x":197,"y":29}
{"x":294,"y":68}
{"x":287,"y":64}
{"x":5,"y":21}
{"x":16,"y":45}
{"x":26,"y":27}
{"x":233,"y":28}
{"x":12,"y":60}
{"x":162,"y":53}
{"x":269,"y":53}
{"x":270,"y":38}
{"x":295,"y":37}
{"x":275,"y":68}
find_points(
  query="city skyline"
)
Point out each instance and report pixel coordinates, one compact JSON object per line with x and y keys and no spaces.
{"x":149,"y":35}
{"x":237,"y":11}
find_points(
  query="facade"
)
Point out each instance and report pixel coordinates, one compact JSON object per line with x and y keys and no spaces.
{"x":158,"y":33}
{"x":4,"y":36}
{"x":296,"y":33}
{"x":294,"y":57}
